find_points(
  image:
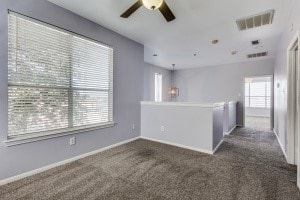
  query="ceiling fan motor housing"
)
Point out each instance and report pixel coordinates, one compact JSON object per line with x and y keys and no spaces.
{"x":152,"y":4}
{"x":161,"y":5}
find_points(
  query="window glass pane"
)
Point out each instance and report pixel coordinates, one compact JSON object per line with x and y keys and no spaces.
{"x":90,"y":107}
{"x":158,"y":87}
{"x":90,"y":64}
{"x":257,"y":102}
{"x":35,"y":109}
{"x":268,"y":102}
{"x":258,"y":89}
{"x":268,"y":89}
{"x":38,"y":55}
{"x":260,"y":93}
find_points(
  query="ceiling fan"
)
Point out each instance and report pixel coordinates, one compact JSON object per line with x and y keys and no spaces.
{"x":161,"y":5}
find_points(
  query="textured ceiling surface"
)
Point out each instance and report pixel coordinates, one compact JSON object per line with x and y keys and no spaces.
{"x":197,"y":23}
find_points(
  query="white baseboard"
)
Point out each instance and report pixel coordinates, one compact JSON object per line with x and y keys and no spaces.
{"x":282,"y":149}
{"x":229,"y":132}
{"x":42,"y":169}
{"x":217,"y":147}
{"x":179,"y":145}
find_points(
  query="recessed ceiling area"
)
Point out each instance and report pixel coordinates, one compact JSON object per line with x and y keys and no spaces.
{"x":197,"y":23}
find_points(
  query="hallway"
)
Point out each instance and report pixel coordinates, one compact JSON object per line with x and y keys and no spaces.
{"x":264,"y":172}
{"x":258,"y":102}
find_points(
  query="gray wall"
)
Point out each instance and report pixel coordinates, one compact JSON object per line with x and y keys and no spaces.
{"x":218,"y":119}
{"x":149,"y":84}
{"x":128,"y":91}
{"x":280,"y":74}
{"x":232,"y":115}
{"x":229,"y":116}
{"x":220,"y":83}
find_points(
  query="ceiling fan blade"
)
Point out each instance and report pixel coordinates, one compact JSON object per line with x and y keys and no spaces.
{"x":132,"y":9}
{"x":166,"y":12}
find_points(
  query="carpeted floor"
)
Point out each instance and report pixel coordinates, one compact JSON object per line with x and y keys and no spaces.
{"x":258,"y":122}
{"x":248,"y":165}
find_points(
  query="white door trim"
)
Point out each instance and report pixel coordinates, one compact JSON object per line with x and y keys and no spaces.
{"x":291,"y":94}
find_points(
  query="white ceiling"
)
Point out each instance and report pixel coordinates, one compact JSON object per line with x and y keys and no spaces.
{"x":197,"y":23}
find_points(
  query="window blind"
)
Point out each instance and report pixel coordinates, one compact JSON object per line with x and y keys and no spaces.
{"x":57,"y":80}
{"x":258,"y":95}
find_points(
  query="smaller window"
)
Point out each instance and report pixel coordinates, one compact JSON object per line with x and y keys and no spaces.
{"x":258,"y":95}
{"x":158,"y":87}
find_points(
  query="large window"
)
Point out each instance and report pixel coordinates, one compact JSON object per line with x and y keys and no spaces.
{"x":258,"y":95}
{"x":57,"y":81}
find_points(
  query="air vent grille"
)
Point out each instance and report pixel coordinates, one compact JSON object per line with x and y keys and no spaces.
{"x":255,"y":42}
{"x":257,"y":55}
{"x":254,"y":21}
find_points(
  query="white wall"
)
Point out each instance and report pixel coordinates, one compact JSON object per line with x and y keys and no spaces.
{"x":220,"y":83}
{"x":199,"y":127}
{"x":280,"y":74}
{"x":149,"y":82}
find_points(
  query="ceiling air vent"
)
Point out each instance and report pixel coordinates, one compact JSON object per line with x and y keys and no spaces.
{"x":257,"y":55}
{"x":255,"y":20}
{"x":255,"y":42}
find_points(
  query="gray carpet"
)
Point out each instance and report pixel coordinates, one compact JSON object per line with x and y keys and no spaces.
{"x":258,"y":122}
{"x":248,"y":165}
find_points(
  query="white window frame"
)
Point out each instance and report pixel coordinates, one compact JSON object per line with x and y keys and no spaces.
{"x":11,"y":141}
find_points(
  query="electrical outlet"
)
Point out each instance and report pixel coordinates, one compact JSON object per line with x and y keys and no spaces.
{"x":133,"y":126}
{"x":162,"y":128}
{"x":72,"y":141}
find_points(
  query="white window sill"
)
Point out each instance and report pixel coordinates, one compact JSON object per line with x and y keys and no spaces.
{"x":53,"y":134}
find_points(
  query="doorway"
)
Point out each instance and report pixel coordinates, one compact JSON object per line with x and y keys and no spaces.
{"x":293,"y":104}
{"x":258,"y":102}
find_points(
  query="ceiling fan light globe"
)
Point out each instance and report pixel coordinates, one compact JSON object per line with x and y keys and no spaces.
{"x":152,"y":4}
